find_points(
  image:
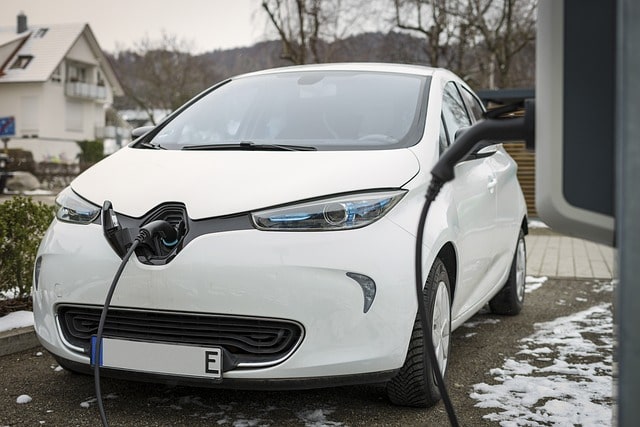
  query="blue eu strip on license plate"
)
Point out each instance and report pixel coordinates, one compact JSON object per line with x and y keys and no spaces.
{"x":159,"y":358}
{"x":93,"y":351}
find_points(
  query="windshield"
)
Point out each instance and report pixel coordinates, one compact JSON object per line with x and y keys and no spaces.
{"x":324,"y":110}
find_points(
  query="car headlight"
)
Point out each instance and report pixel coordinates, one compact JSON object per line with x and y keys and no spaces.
{"x":337,"y":213}
{"x":72,"y":208}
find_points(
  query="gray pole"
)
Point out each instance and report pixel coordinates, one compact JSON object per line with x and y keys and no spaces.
{"x":628,"y":210}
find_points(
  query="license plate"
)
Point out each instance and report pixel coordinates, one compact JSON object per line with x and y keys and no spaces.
{"x":160,"y":358}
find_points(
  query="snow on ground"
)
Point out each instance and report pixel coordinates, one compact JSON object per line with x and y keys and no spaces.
{"x":317,"y":418}
{"x":17,"y":319}
{"x":535,"y":223}
{"x":532,"y":283}
{"x":37,"y":193}
{"x":562,"y":376}
{"x":475,"y":324}
{"x":8,"y":294}
{"x":23,"y":398}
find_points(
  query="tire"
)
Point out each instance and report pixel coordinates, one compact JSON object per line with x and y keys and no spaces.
{"x":410,"y":387}
{"x":510,"y":299}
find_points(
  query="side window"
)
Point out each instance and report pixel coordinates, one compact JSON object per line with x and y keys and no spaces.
{"x":453,"y":111}
{"x":443,"y":139}
{"x":475,"y":107}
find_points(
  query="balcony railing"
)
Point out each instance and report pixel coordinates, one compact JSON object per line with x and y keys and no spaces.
{"x":86,"y":90}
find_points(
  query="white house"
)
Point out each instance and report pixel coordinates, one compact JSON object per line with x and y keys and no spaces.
{"x":57,"y":83}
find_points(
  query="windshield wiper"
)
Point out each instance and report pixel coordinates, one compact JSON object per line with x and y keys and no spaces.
{"x":248,"y":145}
{"x":150,"y":146}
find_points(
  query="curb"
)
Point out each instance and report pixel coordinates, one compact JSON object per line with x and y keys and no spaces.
{"x":16,"y":340}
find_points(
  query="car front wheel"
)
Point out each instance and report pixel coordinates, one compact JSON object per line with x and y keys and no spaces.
{"x":414,"y":385}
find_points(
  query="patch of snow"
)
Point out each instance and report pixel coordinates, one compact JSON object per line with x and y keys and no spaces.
{"x":607,"y":286}
{"x":536,"y":223}
{"x":481,"y":322}
{"x":246,"y":423}
{"x":571,"y":384}
{"x":317,"y":418}
{"x":23,"y":398}
{"x":87,"y":403}
{"x":37,"y":193}
{"x":38,"y":354}
{"x":533,"y":283}
{"x":9,"y":293}
{"x":17,"y":319}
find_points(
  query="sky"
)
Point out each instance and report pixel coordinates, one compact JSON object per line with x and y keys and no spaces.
{"x":118,"y":24}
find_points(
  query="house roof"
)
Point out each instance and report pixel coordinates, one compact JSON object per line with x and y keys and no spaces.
{"x":47,"y":46}
{"x":8,"y":37}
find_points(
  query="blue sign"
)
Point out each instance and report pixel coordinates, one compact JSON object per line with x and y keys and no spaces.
{"x":7,"y":126}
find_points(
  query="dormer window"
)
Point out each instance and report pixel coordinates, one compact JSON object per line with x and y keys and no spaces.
{"x":21,"y":62}
{"x":40,"y":33}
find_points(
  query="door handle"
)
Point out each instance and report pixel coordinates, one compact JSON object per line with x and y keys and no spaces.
{"x":491,"y":184}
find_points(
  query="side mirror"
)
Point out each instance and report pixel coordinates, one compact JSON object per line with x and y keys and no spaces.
{"x":138,"y":132}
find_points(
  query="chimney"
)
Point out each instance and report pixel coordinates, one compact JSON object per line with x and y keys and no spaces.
{"x":22,"y":23}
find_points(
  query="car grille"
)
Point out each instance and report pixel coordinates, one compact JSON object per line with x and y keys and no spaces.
{"x":251,"y":341}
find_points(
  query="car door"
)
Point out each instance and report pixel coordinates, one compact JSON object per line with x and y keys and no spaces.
{"x":473,"y":198}
{"x":507,"y":191}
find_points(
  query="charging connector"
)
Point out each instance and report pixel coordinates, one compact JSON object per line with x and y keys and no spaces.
{"x":114,"y":231}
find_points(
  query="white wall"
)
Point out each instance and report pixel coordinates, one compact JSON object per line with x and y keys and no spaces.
{"x":41,"y":109}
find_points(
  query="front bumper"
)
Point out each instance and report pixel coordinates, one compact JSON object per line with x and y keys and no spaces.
{"x":295,"y":276}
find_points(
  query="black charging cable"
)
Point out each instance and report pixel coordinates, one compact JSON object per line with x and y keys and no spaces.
{"x":167,"y":234}
{"x":496,"y":127}
{"x":427,"y":338}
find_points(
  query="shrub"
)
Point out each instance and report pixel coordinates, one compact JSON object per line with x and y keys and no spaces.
{"x":92,"y":151}
{"x":23,"y":223}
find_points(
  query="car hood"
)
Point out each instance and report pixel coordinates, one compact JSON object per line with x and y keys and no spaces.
{"x":217,"y":183}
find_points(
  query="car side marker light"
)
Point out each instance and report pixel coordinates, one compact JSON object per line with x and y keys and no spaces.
{"x":368,"y":288}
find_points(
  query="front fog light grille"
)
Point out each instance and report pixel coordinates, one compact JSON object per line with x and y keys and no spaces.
{"x":252,"y":341}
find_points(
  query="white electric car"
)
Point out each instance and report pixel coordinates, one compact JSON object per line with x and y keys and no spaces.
{"x":295,"y":195}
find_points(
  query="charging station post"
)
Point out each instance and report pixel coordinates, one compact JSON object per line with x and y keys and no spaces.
{"x":588,"y":166}
{"x":628,"y":209}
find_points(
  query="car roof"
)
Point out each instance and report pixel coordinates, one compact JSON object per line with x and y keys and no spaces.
{"x":352,"y":66}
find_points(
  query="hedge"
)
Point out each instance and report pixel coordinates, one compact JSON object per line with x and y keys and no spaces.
{"x":23,"y":223}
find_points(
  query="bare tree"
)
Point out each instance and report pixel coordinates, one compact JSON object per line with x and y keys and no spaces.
{"x":477,"y":39}
{"x":162,"y":74}
{"x":442,"y":25}
{"x":309,"y":28}
{"x":506,"y":28}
